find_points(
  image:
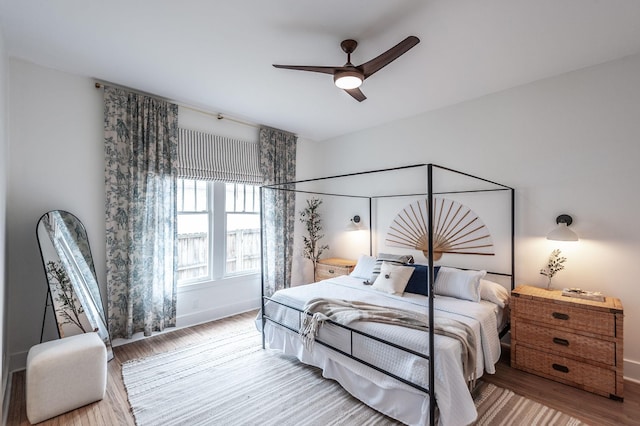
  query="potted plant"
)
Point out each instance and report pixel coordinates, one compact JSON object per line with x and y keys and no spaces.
{"x":312,"y":249}
{"x":555,"y":264}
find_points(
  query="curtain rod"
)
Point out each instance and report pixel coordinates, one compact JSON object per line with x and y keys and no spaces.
{"x":218,"y":115}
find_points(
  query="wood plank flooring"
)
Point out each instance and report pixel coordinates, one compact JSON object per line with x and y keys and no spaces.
{"x":114,"y":408}
{"x":590,"y":408}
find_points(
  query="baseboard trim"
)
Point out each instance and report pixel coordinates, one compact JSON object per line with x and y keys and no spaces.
{"x":632,"y":371}
{"x":6,"y":397}
{"x":200,"y":317}
{"x":195,"y":318}
{"x":18,"y":361}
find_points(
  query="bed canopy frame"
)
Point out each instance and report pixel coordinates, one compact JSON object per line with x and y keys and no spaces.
{"x":437,"y":181}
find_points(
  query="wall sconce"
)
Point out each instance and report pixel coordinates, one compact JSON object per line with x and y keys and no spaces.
{"x":562,"y":231}
{"x":355,"y":223}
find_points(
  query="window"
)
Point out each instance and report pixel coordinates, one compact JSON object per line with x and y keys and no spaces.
{"x":242,"y":220}
{"x":218,"y":230}
{"x":194,"y":218}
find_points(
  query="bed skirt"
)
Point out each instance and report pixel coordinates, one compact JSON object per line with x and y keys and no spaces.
{"x":400,"y":402}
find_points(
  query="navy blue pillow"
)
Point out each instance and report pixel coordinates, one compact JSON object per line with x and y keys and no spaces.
{"x":418,"y":282}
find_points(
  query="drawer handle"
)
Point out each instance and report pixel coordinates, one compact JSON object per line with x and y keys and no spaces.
{"x":331,"y":271}
{"x":560,"y":316}
{"x":560,"y":368}
{"x":559,"y":341}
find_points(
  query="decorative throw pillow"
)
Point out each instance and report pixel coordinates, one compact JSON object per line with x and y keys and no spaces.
{"x":418,"y":282}
{"x":364,"y":267}
{"x":494,"y":292}
{"x":392,"y":278}
{"x":458,"y":283}
{"x":396,"y":259}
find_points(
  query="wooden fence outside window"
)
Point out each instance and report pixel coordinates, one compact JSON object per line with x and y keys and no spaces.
{"x":242,"y":253}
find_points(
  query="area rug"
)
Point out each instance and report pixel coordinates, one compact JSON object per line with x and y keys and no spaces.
{"x":230,"y":380}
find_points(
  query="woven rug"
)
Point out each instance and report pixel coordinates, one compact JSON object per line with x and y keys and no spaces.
{"x":230,"y":380}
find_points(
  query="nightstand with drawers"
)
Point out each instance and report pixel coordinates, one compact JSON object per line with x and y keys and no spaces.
{"x":333,"y":267}
{"x":573,"y":341}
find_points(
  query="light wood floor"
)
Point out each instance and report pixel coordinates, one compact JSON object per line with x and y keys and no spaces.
{"x":114,"y":408}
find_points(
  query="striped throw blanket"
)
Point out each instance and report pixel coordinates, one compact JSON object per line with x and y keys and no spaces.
{"x":344,"y":312}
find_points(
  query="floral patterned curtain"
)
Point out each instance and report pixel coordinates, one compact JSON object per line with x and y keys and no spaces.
{"x":277,"y":165}
{"x":141,"y":136}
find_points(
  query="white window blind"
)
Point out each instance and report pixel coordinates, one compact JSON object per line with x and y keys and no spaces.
{"x":205,"y":156}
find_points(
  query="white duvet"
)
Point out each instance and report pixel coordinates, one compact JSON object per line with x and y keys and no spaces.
{"x":378,"y":390}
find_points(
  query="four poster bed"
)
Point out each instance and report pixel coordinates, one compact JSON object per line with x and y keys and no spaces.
{"x":375,"y":330}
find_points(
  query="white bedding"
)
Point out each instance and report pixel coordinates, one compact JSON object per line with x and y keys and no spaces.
{"x":376,"y":389}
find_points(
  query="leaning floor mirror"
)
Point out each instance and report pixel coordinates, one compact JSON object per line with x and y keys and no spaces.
{"x":73,"y":291}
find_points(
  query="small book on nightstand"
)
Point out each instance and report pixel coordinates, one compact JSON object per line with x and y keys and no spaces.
{"x":583,"y":294}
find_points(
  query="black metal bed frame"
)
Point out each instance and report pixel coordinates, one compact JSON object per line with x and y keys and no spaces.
{"x":352,"y":331}
{"x":430,"y":283}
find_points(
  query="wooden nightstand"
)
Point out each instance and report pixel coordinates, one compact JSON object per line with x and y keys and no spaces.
{"x":333,"y":267}
{"x":573,"y":341}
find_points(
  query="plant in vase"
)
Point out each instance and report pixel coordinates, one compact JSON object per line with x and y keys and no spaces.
{"x":310,"y":216}
{"x":555,"y":264}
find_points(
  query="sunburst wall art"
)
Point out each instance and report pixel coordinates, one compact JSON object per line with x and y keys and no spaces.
{"x":456,"y":229}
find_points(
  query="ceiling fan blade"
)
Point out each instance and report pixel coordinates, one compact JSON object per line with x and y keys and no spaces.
{"x":381,"y":61}
{"x":324,"y":70}
{"x":357,"y":94}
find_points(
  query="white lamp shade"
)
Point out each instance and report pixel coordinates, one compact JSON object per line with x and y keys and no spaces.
{"x":562,"y":233}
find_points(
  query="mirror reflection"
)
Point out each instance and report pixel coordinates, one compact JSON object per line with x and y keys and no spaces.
{"x":73,"y":290}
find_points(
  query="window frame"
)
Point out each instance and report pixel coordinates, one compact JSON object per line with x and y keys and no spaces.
{"x":217,"y":213}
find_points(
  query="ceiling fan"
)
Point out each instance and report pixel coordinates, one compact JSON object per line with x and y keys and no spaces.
{"x":349,"y":77}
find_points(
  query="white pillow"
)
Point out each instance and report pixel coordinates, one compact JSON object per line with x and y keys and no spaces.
{"x":393,"y":279}
{"x":494,"y":292}
{"x":397,"y":259}
{"x":458,"y":283}
{"x":364,"y":267}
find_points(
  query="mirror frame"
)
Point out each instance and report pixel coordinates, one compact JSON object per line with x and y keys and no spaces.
{"x":73,"y":291}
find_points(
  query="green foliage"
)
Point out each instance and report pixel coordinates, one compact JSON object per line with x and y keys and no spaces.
{"x":554,"y":265}
{"x":311,"y":218}
{"x":69,"y":309}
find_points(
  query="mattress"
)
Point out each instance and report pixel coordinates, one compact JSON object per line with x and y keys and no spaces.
{"x":383,"y":392}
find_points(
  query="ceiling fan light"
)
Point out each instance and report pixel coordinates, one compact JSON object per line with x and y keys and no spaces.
{"x":348,"y":79}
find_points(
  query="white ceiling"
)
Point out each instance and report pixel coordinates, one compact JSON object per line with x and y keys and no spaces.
{"x":217,"y":55}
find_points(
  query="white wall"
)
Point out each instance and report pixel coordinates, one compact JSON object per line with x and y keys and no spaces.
{"x":567,"y":144}
{"x":4,"y":78}
{"x":57,"y":162}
